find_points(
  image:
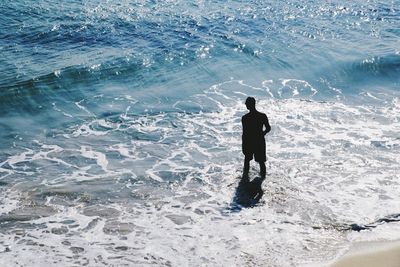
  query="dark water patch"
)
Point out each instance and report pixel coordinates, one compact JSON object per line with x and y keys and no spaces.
{"x":118,"y":228}
{"x":20,"y":228}
{"x":90,"y":192}
{"x":62,"y":193}
{"x":179,"y":219}
{"x":387,"y":12}
{"x":121,"y":248}
{"x":92,"y":224}
{"x":71,"y":35}
{"x":59,"y":230}
{"x":27,"y":213}
{"x":77,"y":250}
{"x":171,"y":176}
{"x":384,"y":144}
{"x":101,"y":211}
{"x":394,"y":31}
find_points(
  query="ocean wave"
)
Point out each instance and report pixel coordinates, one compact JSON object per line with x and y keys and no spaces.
{"x":373,"y":72}
{"x":69,"y":84}
{"x":379,"y":66}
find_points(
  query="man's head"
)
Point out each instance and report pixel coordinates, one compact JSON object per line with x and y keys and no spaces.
{"x":250,"y":103}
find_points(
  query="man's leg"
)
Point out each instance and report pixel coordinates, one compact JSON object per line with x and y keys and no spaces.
{"x":246,"y":166}
{"x":262,"y":169}
{"x":261,"y":157}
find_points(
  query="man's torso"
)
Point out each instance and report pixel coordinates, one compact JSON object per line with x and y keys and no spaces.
{"x":253,"y":125}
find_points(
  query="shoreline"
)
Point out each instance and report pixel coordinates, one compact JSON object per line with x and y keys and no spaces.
{"x":371,"y":254}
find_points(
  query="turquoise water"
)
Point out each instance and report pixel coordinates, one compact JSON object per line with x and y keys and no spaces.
{"x":120,"y":130}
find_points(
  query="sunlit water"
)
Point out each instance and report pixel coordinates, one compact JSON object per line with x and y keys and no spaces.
{"x":121,"y":136}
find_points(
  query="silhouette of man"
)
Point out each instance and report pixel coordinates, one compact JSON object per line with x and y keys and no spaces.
{"x":253,"y":142}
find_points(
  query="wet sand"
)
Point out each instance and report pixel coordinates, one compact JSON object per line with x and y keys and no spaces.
{"x":371,"y":254}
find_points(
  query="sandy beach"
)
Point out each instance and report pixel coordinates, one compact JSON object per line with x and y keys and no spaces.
{"x":379,"y":254}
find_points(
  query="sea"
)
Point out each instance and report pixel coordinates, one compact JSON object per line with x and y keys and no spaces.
{"x":120,"y":131}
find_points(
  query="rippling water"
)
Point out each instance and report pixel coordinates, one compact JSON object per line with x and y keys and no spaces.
{"x":121,"y":138}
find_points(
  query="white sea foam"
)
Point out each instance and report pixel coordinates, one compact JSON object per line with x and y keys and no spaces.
{"x":170,"y":178}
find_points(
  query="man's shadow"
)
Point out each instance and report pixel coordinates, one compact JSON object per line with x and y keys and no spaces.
{"x":248,"y":193}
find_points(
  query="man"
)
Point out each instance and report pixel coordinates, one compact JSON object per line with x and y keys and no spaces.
{"x":253,"y":142}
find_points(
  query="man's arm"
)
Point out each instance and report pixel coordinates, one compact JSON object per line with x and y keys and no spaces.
{"x":267,"y":126}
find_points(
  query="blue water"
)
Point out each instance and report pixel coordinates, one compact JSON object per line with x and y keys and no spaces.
{"x":120,"y":130}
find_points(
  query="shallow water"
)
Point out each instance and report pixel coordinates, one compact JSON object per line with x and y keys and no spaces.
{"x":121,"y":135}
